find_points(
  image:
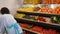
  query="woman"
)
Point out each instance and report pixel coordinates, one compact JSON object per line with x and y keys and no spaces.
{"x":9,"y":23}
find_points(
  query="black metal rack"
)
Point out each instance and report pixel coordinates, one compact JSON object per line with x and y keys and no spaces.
{"x":38,"y":14}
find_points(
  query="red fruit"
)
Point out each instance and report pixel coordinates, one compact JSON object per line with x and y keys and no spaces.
{"x":36,"y":28}
{"x":45,"y":31}
{"x":24,"y":25}
{"x":42,"y":19}
{"x":58,"y":33}
{"x":52,"y":31}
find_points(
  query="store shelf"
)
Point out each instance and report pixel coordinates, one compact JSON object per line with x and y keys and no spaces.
{"x":45,"y":25}
{"x":40,"y":22}
{"x":31,"y":30}
{"x":38,"y":14}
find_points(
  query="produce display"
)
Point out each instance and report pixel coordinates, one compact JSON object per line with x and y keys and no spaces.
{"x":30,"y":17}
{"x":31,"y":1}
{"x":23,"y":25}
{"x":57,"y":1}
{"x":40,"y":29}
{"x":45,"y":10}
{"x":34,"y":18}
{"x":41,"y":1}
{"x":42,"y":19}
{"x":26,"y":9}
{"x":47,"y":1}
{"x":44,"y":31}
{"x":26,"y":25}
{"x":53,"y":20}
{"x":50,"y":1}
{"x":50,"y":10}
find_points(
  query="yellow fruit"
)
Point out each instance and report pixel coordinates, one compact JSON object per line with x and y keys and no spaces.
{"x":19,"y":15}
{"x":27,"y":9}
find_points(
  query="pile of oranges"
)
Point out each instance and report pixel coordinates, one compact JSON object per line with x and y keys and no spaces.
{"x":50,"y":10}
{"x":51,"y":1}
{"x":56,"y":10}
{"x":45,"y":10}
{"x":47,"y":1}
{"x":57,"y":1}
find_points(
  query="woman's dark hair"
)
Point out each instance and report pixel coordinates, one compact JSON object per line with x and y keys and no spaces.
{"x":5,"y":10}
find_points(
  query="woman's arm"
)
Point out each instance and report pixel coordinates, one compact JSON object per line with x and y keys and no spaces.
{"x":2,"y":27}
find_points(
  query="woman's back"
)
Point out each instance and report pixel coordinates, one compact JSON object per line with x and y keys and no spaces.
{"x":9,"y":18}
{"x":11,"y":22}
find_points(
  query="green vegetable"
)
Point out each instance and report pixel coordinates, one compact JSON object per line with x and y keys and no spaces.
{"x":58,"y":21}
{"x":55,"y":18}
